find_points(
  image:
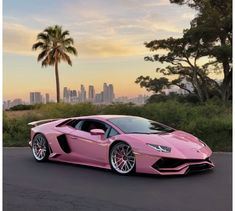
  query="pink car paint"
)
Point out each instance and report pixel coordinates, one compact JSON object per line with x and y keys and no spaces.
{"x":93,"y":148}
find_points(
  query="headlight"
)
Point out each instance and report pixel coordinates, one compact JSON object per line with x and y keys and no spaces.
{"x":160,"y":148}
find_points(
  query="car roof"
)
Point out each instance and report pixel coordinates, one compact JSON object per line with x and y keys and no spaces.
{"x":102,"y":117}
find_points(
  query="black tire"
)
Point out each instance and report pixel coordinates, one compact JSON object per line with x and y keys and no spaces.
{"x":40,"y":148}
{"x":125,"y":165}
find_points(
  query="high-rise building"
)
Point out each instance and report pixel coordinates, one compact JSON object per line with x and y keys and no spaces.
{"x":35,"y":98}
{"x":91,"y":93}
{"x":79,"y":96}
{"x":110,"y":93}
{"x":47,"y":97}
{"x":73,"y":96}
{"x":73,"y":93}
{"x":38,"y":97}
{"x":105,"y":93}
{"x":99,"y":98}
{"x":31,"y":98}
{"x":83,"y":94}
{"x":66,"y":94}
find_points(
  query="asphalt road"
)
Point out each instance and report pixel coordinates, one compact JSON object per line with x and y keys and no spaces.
{"x":29,"y":185}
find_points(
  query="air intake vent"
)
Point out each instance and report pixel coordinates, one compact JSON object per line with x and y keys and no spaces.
{"x":64,"y":143}
{"x":173,"y":163}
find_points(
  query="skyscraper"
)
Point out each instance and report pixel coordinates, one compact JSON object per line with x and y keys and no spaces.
{"x":31,"y":98}
{"x":105,"y":93}
{"x":35,"y":98}
{"x":47,"y":97}
{"x":110,"y":93}
{"x":66,"y":94}
{"x":91,"y":93}
{"x":83,"y":94}
{"x":99,"y":98}
{"x":73,"y":96}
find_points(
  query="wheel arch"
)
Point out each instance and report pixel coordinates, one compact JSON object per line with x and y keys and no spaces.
{"x":116,"y":142}
{"x":37,"y":134}
{"x":50,"y":149}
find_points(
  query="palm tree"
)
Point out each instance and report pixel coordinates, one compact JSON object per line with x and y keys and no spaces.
{"x":55,"y":45}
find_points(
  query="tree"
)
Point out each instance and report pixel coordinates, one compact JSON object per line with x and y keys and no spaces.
{"x":182,"y":55}
{"x":155,"y":85}
{"x":55,"y":45}
{"x":213,"y":25}
{"x":206,"y":38}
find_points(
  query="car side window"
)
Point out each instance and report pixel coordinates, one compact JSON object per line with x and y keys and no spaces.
{"x":88,"y":125}
{"x":76,"y":124}
{"x":112,"y":132}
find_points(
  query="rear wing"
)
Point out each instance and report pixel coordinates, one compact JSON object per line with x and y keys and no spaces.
{"x":41,"y":122}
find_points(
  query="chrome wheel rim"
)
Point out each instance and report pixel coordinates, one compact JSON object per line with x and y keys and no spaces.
{"x":39,"y":147}
{"x":122,"y":158}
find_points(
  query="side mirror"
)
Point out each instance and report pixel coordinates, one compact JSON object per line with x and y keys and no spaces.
{"x":97,"y":132}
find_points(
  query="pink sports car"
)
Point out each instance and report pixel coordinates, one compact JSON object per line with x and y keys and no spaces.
{"x":125,"y":144}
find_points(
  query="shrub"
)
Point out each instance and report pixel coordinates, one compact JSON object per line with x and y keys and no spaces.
{"x":211,"y":122}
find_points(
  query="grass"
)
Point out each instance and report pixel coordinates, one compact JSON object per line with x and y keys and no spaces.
{"x":211,"y":122}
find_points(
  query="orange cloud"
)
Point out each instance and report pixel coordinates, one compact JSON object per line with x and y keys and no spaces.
{"x":18,"y":39}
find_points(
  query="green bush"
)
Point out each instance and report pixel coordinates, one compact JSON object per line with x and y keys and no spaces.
{"x":211,"y":122}
{"x":24,"y":107}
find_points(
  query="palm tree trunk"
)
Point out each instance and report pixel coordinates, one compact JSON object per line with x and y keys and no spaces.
{"x":57,"y":82}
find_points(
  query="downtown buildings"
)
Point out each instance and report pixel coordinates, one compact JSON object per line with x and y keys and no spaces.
{"x":106,"y":96}
{"x":11,"y":103}
{"x":38,"y":98}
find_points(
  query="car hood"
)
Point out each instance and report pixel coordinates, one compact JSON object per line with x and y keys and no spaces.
{"x":182,"y":144}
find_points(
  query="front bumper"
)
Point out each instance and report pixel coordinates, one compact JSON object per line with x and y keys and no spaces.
{"x":170,"y":166}
{"x":182,"y":166}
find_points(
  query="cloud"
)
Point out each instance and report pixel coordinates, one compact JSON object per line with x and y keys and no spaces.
{"x":18,"y":39}
{"x":98,"y":30}
{"x":108,"y":48}
{"x":157,"y":3}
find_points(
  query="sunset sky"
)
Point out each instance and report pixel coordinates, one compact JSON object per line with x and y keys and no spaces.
{"x":109,"y":36}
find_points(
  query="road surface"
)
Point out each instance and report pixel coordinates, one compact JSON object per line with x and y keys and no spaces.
{"x":29,"y":185}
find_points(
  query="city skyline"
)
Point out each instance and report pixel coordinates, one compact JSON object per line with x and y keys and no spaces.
{"x":106,"y":96}
{"x":25,"y":97}
{"x":109,"y":36}
{"x":89,"y":95}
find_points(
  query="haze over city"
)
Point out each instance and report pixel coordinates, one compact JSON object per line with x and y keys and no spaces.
{"x":109,"y":36}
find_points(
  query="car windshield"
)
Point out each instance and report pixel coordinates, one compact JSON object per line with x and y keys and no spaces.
{"x":139,"y":125}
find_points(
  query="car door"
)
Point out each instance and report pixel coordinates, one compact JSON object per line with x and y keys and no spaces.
{"x":88,"y":148}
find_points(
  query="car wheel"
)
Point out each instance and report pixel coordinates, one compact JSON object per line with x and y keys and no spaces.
{"x":40,"y":148}
{"x":122,"y":159}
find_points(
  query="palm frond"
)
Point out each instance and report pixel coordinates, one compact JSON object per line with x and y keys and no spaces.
{"x":71,"y":50}
{"x":37,"y":45}
{"x":65,"y":33}
{"x":45,"y":62}
{"x":42,"y":55}
{"x":66,"y":58}
{"x":49,"y":29}
{"x":68,"y":41}
{"x":43,"y":37}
